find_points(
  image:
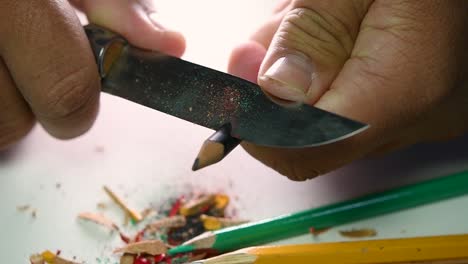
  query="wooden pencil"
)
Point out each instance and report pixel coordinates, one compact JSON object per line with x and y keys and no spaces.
{"x":216,"y":148}
{"x":281,"y":227}
{"x":449,"y":249}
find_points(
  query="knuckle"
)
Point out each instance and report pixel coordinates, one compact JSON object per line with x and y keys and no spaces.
{"x":316,"y":32}
{"x":69,"y":94}
{"x":12,"y":131}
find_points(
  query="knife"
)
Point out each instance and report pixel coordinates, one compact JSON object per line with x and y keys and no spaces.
{"x":210,"y":98}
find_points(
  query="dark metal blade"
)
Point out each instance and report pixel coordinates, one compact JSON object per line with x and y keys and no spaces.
{"x":211,"y":99}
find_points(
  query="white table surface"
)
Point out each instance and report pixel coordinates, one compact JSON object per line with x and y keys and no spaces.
{"x":147,"y":156}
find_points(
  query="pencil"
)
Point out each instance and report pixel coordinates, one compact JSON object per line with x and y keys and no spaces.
{"x":215,"y":148}
{"x":281,"y":227}
{"x":449,"y":249}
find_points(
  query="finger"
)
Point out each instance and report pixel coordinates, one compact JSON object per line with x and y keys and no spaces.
{"x":49,"y":58}
{"x":16,"y":119}
{"x":137,"y":21}
{"x":309,"y":48}
{"x":245,"y":61}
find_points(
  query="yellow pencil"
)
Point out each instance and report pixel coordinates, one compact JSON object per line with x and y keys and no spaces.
{"x":452,"y":249}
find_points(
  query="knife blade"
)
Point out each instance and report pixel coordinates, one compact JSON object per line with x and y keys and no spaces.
{"x":210,"y":98}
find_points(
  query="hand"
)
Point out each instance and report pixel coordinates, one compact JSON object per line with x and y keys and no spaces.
{"x":400,"y":66}
{"x":47,"y":70}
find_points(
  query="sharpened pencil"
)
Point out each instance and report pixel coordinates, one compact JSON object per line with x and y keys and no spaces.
{"x":289,"y":225}
{"x":451,"y":249}
{"x":216,"y":148}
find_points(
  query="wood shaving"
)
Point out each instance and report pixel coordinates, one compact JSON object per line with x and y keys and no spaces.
{"x":151,"y":247}
{"x":135,"y":215}
{"x":359,"y":233}
{"x":101,"y":206}
{"x":51,"y":259}
{"x":167,"y":222}
{"x":23,"y":208}
{"x":148,"y":212}
{"x":36,"y":259}
{"x":127,"y":259}
{"x":194,"y":206}
{"x":99,"y":219}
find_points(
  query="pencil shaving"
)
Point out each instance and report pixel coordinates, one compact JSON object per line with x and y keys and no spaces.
{"x":359,"y":233}
{"x":196,"y":205}
{"x":167,"y":222}
{"x":221,"y":201}
{"x":101,"y":206}
{"x":49,"y":258}
{"x":99,"y":219}
{"x":127,"y":259}
{"x":136,"y":216}
{"x":151,"y":247}
{"x":36,"y":259}
{"x":148,"y":213}
{"x":23,"y":208}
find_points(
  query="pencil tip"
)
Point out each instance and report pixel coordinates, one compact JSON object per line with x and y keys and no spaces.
{"x":201,"y":163}
{"x":196,"y":165}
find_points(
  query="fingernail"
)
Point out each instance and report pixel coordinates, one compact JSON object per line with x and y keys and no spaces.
{"x":289,"y":78}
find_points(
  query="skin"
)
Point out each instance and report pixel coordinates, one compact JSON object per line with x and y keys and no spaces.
{"x":47,"y":70}
{"x":399,"y":65}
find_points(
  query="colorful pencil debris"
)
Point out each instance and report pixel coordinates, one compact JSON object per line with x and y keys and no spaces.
{"x":49,"y":258}
{"x":174,"y":223}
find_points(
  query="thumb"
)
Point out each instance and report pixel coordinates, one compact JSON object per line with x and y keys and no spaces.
{"x":309,"y":49}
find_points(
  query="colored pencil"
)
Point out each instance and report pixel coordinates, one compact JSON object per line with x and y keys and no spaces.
{"x":257,"y":233}
{"x":449,"y":249}
{"x":216,"y":148}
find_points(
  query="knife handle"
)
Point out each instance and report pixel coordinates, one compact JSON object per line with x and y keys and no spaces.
{"x":106,"y":46}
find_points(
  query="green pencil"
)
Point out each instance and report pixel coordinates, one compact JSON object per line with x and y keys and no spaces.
{"x":290,"y":225}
